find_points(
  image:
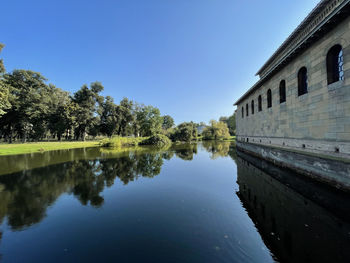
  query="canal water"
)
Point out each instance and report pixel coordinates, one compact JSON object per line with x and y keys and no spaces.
{"x":190,"y":203}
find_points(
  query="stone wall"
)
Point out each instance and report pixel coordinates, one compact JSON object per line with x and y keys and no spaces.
{"x":318,"y":120}
{"x":332,"y":172}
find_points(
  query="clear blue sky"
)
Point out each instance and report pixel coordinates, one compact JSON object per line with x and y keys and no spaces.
{"x":190,"y":58}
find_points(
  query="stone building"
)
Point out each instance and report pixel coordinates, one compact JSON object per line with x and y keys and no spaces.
{"x":301,"y":103}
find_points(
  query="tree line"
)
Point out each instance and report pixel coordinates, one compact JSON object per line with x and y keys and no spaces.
{"x":32,"y":110}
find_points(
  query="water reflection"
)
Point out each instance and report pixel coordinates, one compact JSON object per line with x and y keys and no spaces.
{"x":25,"y":196}
{"x":185,"y":152}
{"x":308,"y":227}
{"x":85,"y":173}
{"x":298,"y":220}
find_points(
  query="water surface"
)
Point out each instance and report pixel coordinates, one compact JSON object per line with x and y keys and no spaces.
{"x":191,"y":203}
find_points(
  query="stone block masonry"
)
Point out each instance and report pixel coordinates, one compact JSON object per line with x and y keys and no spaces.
{"x":313,"y":65}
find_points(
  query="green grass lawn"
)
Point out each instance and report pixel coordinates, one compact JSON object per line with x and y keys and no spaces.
{"x":32,"y":147}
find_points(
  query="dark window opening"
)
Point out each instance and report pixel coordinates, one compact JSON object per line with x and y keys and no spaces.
{"x":242,"y":112}
{"x":252,"y":107}
{"x":269,"y":98}
{"x":282,"y":91}
{"x":259,"y":103}
{"x":302,"y":81}
{"x":335,"y":62}
{"x":246,"y":109}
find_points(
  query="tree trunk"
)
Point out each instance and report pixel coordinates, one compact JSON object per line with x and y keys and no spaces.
{"x":10,"y":134}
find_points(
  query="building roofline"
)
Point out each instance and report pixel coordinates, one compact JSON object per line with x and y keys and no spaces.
{"x":292,"y":36}
{"x":301,"y":37}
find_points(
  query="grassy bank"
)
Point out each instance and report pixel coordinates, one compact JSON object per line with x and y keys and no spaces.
{"x":116,"y":143}
{"x":21,"y":148}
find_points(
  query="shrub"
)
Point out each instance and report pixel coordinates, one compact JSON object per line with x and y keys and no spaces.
{"x":158,"y":140}
{"x":117,"y":142}
{"x":185,"y":132}
{"x":216,"y":131}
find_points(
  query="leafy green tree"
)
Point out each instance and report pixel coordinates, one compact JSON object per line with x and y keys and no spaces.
{"x":4,"y":97}
{"x":149,"y":120}
{"x":58,"y":116}
{"x":216,"y":131}
{"x":231,"y":123}
{"x":109,"y":119}
{"x":29,"y":96}
{"x":32,"y":109}
{"x":186,"y":132}
{"x":88,"y":101}
{"x":4,"y":89}
{"x":168,"y":122}
{"x":125,"y":117}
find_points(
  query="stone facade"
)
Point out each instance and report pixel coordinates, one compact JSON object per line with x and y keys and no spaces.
{"x":318,"y":121}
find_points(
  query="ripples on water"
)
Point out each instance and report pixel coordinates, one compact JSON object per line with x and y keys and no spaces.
{"x":191,"y":203}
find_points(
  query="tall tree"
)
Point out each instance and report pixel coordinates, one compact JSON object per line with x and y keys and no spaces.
{"x":88,"y":103}
{"x":149,"y":120}
{"x":109,"y":120}
{"x":4,"y":89}
{"x":125,"y":117}
{"x":29,"y":104}
{"x":59,"y":115}
{"x":231,"y":123}
{"x":168,"y":122}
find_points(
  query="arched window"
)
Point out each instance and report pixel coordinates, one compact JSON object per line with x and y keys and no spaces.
{"x":246,"y":109}
{"x":252,"y":107}
{"x":259,"y":103}
{"x":269,"y":99}
{"x":302,"y":81}
{"x":282,"y":91}
{"x":242,"y":112}
{"x":335,"y":63}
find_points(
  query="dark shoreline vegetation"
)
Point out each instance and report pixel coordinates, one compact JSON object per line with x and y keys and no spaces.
{"x":33,"y":110}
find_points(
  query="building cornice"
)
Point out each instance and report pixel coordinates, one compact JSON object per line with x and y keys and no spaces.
{"x":309,"y":29}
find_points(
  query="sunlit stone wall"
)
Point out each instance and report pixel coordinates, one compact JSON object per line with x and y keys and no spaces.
{"x":316,"y":121}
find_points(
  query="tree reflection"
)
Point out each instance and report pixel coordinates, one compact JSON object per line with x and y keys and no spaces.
{"x":217,"y":149}
{"x":25,"y":196}
{"x":186,"y":151}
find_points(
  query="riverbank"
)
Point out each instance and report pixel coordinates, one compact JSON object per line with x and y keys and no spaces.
{"x":115,"y":143}
{"x":228,"y":139}
{"x":34,"y":147}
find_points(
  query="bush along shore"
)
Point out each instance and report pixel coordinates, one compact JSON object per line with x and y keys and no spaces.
{"x":157,"y":140}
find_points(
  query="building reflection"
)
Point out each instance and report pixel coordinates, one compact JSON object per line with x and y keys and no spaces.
{"x":299,"y":221}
